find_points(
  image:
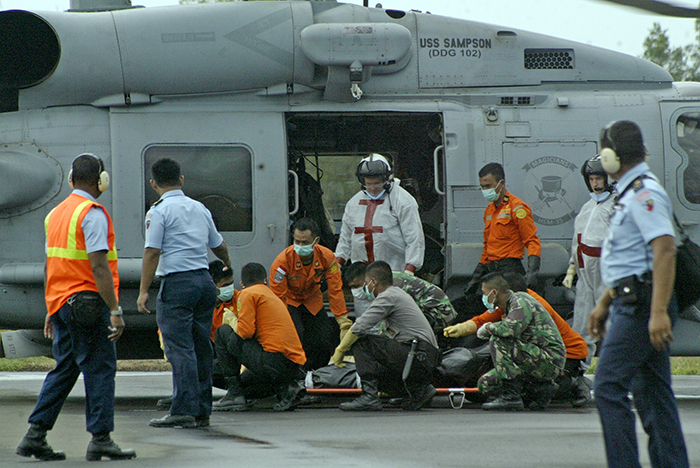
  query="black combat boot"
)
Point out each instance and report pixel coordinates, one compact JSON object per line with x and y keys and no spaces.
{"x":102,"y":445}
{"x":234,"y":400}
{"x":368,"y":401}
{"x":34,"y":444}
{"x":540,"y":393}
{"x":509,"y":400}
{"x":420,"y":396}
{"x":581,"y":393}
{"x":288,"y":396}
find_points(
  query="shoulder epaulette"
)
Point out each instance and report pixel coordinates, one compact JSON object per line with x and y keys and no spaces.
{"x":156,"y":203}
{"x":638,"y":184}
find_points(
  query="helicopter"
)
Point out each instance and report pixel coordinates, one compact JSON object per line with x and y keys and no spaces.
{"x":269,"y":106}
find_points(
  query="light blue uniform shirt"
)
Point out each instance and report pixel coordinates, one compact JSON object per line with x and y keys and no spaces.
{"x":639,"y":217}
{"x":182,"y":229}
{"x":94,"y":225}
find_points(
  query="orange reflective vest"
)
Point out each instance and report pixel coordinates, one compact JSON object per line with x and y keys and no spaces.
{"x":68,"y":269}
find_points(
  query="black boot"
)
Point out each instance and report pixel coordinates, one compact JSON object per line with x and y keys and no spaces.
{"x":102,"y":445}
{"x":420,"y":396}
{"x":540,"y":393}
{"x":234,"y":400}
{"x":509,"y":400}
{"x":581,"y":394}
{"x":288,"y":396}
{"x":34,"y":444}
{"x":368,"y":401}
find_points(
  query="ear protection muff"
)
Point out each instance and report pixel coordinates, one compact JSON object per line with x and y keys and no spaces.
{"x":103,"y":178}
{"x":608,"y":156}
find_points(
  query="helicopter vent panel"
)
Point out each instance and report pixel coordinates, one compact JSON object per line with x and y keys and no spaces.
{"x":549,"y":59}
{"x":515,"y":101}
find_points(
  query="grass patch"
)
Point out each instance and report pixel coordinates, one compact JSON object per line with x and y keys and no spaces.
{"x":680,"y":365}
{"x":44,"y":364}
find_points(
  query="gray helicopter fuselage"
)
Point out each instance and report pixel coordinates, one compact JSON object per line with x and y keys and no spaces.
{"x":253,"y":98}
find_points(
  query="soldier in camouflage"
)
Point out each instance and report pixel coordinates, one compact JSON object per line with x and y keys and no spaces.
{"x":431,"y":300}
{"x":526,"y":349}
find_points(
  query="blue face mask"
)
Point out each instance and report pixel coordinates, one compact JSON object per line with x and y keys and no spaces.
{"x":489,"y":305}
{"x":368,"y":294}
{"x":305,"y":250}
{"x":491,"y":194}
{"x":600,"y":197}
{"x":225,"y":293}
{"x":380,"y":195}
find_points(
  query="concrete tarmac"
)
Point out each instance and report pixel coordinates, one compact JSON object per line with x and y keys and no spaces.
{"x":323,"y":436}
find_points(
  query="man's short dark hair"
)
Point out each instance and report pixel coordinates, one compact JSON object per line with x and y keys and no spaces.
{"x":307,"y":224}
{"x":219,"y":271}
{"x":381,"y":271}
{"x":495,"y":169}
{"x":495,"y":280}
{"x":516,"y":281}
{"x":353,"y":271}
{"x":625,"y":137}
{"x":166,"y":172}
{"x":86,"y":169}
{"x":253,"y":273}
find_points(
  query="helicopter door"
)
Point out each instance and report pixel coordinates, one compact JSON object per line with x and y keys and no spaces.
{"x":233,"y":163}
{"x":682,"y":163}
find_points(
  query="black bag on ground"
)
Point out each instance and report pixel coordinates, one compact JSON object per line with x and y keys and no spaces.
{"x":463,"y":367}
{"x":687,"y":284}
{"x":333,"y":376}
{"x":87,"y":308}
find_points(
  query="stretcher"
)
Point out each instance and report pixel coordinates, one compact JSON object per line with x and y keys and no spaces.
{"x":456,"y":395}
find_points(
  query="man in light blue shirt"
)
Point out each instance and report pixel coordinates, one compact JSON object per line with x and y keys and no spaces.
{"x":638,"y":267}
{"x":178,"y":232}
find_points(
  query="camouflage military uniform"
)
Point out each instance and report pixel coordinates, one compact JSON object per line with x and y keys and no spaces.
{"x":526,"y":343}
{"x":431,"y":300}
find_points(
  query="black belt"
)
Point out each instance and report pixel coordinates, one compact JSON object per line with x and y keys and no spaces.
{"x":184,"y":272}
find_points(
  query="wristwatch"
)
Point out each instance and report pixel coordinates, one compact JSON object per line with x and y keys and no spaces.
{"x":119,"y":311}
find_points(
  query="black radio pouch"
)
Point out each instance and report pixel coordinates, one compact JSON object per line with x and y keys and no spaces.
{"x":632,"y":291}
{"x":87,"y":308}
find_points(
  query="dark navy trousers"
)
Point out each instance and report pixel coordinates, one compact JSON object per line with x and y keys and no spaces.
{"x":629,"y":363}
{"x":76,"y":351}
{"x":184,"y":310}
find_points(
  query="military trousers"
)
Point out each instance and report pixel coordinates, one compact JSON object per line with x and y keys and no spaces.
{"x":515,"y":359}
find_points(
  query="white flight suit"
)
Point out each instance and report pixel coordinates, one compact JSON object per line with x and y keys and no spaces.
{"x":387,"y":229}
{"x":592,"y":225}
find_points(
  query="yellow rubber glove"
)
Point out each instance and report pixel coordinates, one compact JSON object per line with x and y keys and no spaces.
{"x":461,"y":329}
{"x":348,"y":340}
{"x":344,"y":323}
{"x":569,"y":279}
{"x":230,"y":318}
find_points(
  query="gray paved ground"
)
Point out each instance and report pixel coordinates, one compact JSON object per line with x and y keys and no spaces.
{"x":323,"y":436}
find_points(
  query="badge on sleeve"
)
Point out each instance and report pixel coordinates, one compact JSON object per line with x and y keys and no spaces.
{"x":280,"y":273}
{"x":521,"y":213}
{"x":649,"y":204}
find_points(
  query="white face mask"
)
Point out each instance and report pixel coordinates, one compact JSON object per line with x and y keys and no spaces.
{"x":358,"y":293}
{"x":600,"y":197}
{"x":225,"y":293}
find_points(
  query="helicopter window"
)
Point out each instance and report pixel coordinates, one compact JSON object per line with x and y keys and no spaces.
{"x":218,"y":176}
{"x":549,"y":59}
{"x":689,"y":140}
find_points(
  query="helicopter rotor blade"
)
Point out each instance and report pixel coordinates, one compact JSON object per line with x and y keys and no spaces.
{"x":660,"y":8}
